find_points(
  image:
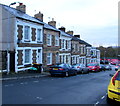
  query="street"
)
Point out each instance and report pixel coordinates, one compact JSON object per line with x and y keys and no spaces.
{"x":80,"y":89}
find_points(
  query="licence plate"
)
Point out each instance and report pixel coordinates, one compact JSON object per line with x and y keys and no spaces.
{"x":55,"y":68}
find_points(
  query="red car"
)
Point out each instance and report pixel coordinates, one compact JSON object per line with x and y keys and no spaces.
{"x":94,"y":67}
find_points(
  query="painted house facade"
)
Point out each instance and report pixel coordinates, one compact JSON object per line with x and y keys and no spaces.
{"x":65,"y":47}
{"x":95,"y":55}
{"x":23,"y":39}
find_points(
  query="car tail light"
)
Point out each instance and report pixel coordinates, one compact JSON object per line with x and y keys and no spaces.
{"x":50,"y":68}
{"x":114,"y":78}
{"x":78,"y":66}
{"x":61,"y":69}
{"x":116,"y":66}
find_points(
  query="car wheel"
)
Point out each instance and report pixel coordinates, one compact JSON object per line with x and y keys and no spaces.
{"x":88,"y":71}
{"x":66,"y":74}
{"x":75,"y":73}
{"x":52,"y":75}
{"x":109,"y":101}
{"x":82,"y":72}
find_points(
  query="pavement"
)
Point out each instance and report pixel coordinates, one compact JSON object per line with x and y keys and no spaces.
{"x":21,"y":75}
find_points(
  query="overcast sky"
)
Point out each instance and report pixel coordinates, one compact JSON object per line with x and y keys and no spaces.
{"x":95,"y":20}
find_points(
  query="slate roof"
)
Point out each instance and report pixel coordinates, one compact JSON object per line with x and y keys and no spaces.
{"x":65,"y":34}
{"x":20,"y":14}
{"x":81,"y":41}
{"x":47,"y":26}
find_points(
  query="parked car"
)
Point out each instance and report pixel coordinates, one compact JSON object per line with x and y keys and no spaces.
{"x":114,"y":88}
{"x":117,"y":67}
{"x":80,"y":68}
{"x":62,"y":69}
{"x":108,"y":67}
{"x":102,"y":67}
{"x":94,"y":67}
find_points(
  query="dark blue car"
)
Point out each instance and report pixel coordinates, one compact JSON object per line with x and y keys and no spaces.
{"x":62,"y":69}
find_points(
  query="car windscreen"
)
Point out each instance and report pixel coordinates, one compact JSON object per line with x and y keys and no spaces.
{"x":91,"y":64}
{"x":58,"y":65}
{"x":118,"y":76}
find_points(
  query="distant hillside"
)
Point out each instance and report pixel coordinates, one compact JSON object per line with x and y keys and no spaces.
{"x":109,"y":52}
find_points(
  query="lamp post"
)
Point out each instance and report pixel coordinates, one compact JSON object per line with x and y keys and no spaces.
{"x":8,"y":35}
{"x":13,"y":3}
{"x":104,"y":56}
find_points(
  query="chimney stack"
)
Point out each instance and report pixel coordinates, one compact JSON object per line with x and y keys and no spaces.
{"x":39,"y":16}
{"x":78,"y":36}
{"x":52,"y":23}
{"x":70,"y":32}
{"x":62,"y":29}
{"x":21,"y":7}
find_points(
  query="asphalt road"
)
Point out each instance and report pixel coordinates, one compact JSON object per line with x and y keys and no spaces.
{"x":81,"y":89}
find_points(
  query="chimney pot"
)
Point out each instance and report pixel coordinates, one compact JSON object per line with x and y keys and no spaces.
{"x":21,"y":7}
{"x":39,"y":16}
{"x":70,"y":32}
{"x":52,"y":23}
{"x":78,"y":36}
{"x":62,"y":29}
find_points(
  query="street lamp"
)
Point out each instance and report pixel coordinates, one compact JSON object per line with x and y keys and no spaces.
{"x":8,"y":34}
{"x":13,"y":3}
{"x":104,"y":56}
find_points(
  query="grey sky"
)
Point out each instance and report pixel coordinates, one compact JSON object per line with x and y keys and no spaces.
{"x":95,"y":20}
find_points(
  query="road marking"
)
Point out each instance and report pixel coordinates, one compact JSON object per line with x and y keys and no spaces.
{"x":6,"y":85}
{"x":9,"y":85}
{"x":40,"y":98}
{"x":44,"y":80}
{"x":26,"y":83}
{"x":103,"y":97}
{"x":96,"y":103}
{"x":35,"y":81}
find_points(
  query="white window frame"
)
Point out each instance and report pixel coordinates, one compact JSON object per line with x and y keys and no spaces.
{"x":27,"y":55}
{"x":49,"y":37}
{"x":63,"y":43}
{"x":49,"y":56}
{"x":69,"y":44}
{"x":27,"y":33}
{"x":56,"y":40}
{"x":39,"y":35}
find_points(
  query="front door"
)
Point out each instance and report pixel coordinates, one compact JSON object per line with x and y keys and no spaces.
{"x":12,"y":61}
{"x":39,"y":56}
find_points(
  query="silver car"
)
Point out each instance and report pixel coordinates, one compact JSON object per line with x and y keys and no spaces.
{"x":80,"y":68}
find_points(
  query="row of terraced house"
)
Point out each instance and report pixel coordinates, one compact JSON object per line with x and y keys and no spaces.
{"x":26,"y":40}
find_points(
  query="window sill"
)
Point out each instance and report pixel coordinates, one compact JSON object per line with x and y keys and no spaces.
{"x":49,"y":64}
{"x":27,"y":65}
{"x":39,"y":42}
{"x":26,"y":40}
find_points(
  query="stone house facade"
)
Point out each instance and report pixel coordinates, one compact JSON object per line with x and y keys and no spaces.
{"x":75,"y":54}
{"x":51,"y":45}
